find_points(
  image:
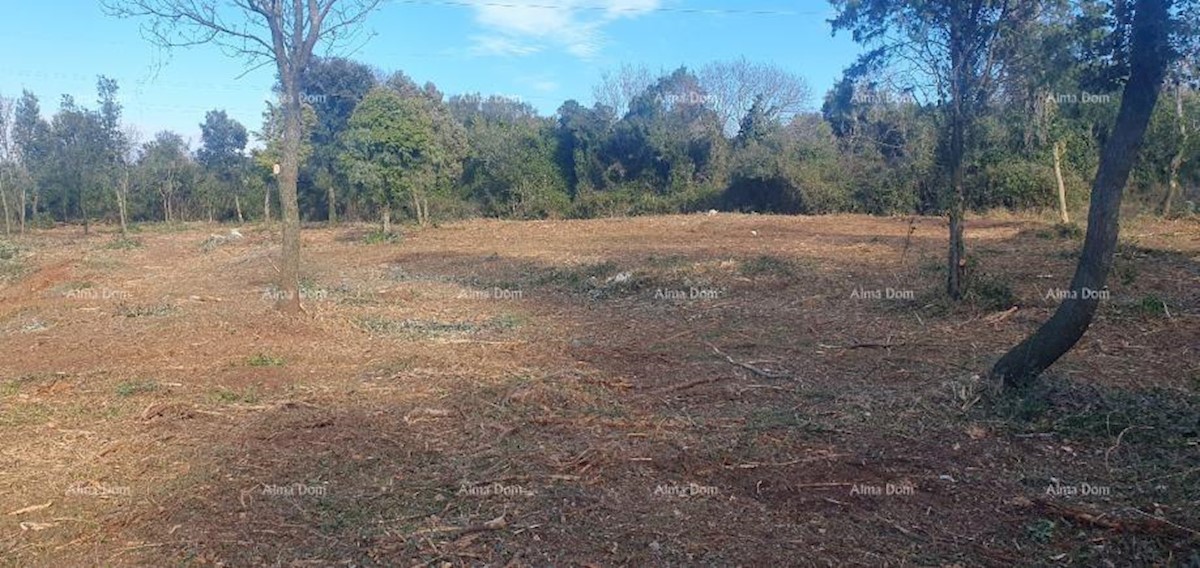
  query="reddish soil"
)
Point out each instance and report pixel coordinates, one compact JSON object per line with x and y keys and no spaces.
{"x":659,"y":391}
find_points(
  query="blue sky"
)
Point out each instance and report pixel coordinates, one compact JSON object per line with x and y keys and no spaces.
{"x":542,"y":51}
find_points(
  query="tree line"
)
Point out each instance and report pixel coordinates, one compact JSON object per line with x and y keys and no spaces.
{"x":734,"y":136}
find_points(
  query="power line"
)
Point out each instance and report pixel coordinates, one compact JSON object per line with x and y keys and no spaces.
{"x":631,"y":10}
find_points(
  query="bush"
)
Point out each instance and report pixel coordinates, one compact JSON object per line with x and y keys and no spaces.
{"x":1015,"y":184}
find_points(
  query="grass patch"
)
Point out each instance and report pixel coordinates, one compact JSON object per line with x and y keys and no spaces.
{"x":432,"y":328}
{"x":8,"y":251}
{"x":131,"y":388}
{"x":230,"y":396}
{"x":767,"y":265}
{"x":10,"y":263}
{"x":1070,"y":231}
{"x":1170,"y":417}
{"x":767,"y":419}
{"x":142,"y":311}
{"x":1150,"y":306}
{"x":378,"y":237}
{"x":985,"y":290}
{"x":123,"y":243}
{"x":264,"y":360}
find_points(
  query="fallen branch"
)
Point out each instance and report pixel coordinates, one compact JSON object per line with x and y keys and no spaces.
{"x":495,"y":524}
{"x":1118,"y":443}
{"x":1151,"y":525}
{"x":749,"y":367}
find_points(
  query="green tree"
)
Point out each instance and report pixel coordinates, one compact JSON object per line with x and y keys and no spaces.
{"x":164,"y":167}
{"x":386,"y":140}
{"x":223,"y":141}
{"x":1149,"y":56}
{"x":332,"y":86}
{"x":261,"y":32}
{"x":958,"y":50}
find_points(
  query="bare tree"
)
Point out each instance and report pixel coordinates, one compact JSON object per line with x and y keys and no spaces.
{"x":1149,"y":57}
{"x":5,"y":159}
{"x":732,"y":87}
{"x":261,"y":32}
{"x":7,"y":163}
{"x":618,"y":87}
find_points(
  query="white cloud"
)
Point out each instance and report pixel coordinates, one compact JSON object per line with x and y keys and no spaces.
{"x":522,"y":27}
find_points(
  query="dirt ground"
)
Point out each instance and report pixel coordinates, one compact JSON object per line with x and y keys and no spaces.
{"x":722,"y":390}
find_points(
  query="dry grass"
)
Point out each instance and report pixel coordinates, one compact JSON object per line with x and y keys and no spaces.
{"x":653,"y":391}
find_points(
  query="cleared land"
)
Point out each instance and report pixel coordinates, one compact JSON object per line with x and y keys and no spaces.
{"x":651,"y":391}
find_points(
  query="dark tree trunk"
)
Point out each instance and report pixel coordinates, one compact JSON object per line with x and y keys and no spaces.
{"x":1150,"y":55}
{"x":960,"y":117}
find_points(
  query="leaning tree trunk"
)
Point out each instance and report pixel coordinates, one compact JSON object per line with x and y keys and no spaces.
{"x":288,"y":175}
{"x":1020,"y":367}
{"x":1062,"y":187}
{"x":1177,"y":161}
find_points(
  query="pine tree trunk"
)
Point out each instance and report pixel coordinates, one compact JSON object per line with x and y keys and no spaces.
{"x":1063,"y":216}
{"x":267,"y":204}
{"x":1019,"y":368}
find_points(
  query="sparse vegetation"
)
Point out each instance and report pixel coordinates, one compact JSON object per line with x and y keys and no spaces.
{"x":264,"y":360}
{"x":131,"y":388}
{"x":766,"y":265}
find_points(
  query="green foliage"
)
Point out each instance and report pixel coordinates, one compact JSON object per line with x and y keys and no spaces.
{"x":1150,"y":306}
{"x":122,"y":243}
{"x":264,"y":360}
{"x":127,"y":389}
{"x":8,"y":251}
{"x":987,"y":291}
{"x":379,"y":237}
{"x":767,"y":265}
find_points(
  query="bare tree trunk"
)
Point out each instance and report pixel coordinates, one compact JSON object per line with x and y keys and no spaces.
{"x":122,"y":192}
{"x":416,"y":199}
{"x":957,"y":261}
{"x":7,"y":215}
{"x":387,"y":219}
{"x":1177,"y":160}
{"x":237,"y":205}
{"x":288,"y":175}
{"x":37,"y":196}
{"x":332,"y":204}
{"x":1020,"y":367}
{"x":267,"y":204}
{"x":1062,"y":187}
{"x":21,"y":204}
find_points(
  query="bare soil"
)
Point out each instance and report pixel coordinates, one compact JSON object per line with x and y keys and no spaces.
{"x":720,"y":390}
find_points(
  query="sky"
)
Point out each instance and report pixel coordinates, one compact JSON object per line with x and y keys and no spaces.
{"x":541,"y":51}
